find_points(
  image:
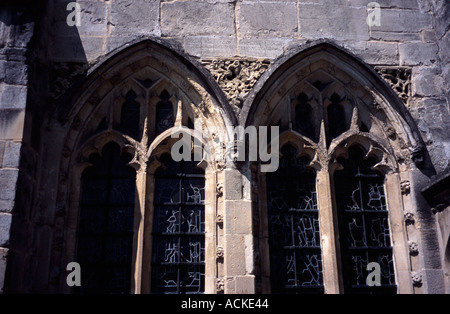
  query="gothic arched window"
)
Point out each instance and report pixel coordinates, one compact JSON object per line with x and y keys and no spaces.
{"x":343,"y":130}
{"x":363,"y":225}
{"x":294,"y":239}
{"x":105,"y":232}
{"x":178,"y":250}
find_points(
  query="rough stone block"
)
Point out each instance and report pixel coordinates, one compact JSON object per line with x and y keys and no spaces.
{"x":13,"y":97}
{"x":235,"y":255}
{"x":269,"y":48}
{"x":245,"y":284}
{"x":334,"y":22}
{"x":232,"y":189}
{"x":380,"y":53}
{"x":137,"y":17}
{"x":410,"y":21}
{"x":5,"y":226}
{"x":3,"y":259}
{"x":2,"y":152}
{"x":427,"y":81}
{"x":93,"y":19}
{"x":238,"y":217}
{"x":11,"y":124}
{"x":16,"y":73}
{"x":394,"y":36}
{"x":194,"y":18}
{"x":417,"y":54}
{"x":267,"y":19}
{"x":12,"y":155}
{"x":68,"y":49}
{"x":210,"y":46}
{"x":8,"y":181}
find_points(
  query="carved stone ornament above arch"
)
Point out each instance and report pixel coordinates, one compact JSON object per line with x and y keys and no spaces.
{"x":329,"y":97}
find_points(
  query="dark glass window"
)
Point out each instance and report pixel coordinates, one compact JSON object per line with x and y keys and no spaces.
{"x":130,"y":116}
{"x":178,"y":251}
{"x":294,"y":239}
{"x":336,"y":118}
{"x":105,"y":232}
{"x":164,"y":113}
{"x":303,"y":117}
{"x":363,"y":224}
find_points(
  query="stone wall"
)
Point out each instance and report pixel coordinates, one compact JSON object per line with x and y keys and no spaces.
{"x":42,"y":60}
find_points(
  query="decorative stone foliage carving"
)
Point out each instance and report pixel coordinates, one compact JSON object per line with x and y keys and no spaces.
{"x":416,"y":278}
{"x":409,"y":217}
{"x":413,"y":248}
{"x":219,"y":189}
{"x":220,"y":285}
{"x":405,"y":186}
{"x":219,"y":252}
{"x":399,"y":78}
{"x":64,"y":75}
{"x":236,"y":76}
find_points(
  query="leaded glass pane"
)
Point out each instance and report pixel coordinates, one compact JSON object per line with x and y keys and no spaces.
{"x":363,"y":224}
{"x":164,"y":113}
{"x":178,"y":251}
{"x":105,"y":231}
{"x":130,"y":116}
{"x":294,"y":240}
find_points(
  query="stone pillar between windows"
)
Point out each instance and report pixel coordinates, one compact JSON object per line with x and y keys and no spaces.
{"x":238,"y":236}
{"x":210,"y":232}
{"x":398,"y":235}
{"x":327,"y":221}
{"x":142,"y":201}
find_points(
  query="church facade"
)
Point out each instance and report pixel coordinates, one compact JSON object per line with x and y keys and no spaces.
{"x":225,"y":146}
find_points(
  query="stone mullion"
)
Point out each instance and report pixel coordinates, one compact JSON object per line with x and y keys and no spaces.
{"x":328,"y":232}
{"x":139,"y":222}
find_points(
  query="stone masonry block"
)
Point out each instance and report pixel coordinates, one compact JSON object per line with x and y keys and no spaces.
{"x":11,"y":124}
{"x":409,"y":21}
{"x":3,"y":259}
{"x":267,"y":19}
{"x":427,"y":81}
{"x":13,"y":96}
{"x":8,"y":181}
{"x":418,"y":54}
{"x":93,"y":19}
{"x":188,"y":18}
{"x":262,"y":47}
{"x":137,"y":17}
{"x":232,"y":189}
{"x":12,"y":154}
{"x":210,"y":46}
{"x":5,"y":226}
{"x":334,"y":22}
{"x":238,"y":217}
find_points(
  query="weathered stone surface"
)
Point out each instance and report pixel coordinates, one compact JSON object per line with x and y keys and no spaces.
{"x":403,"y":21}
{"x":93,"y":19}
{"x":8,"y":180}
{"x":11,"y":124}
{"x":13,"y":96}
{"x":210,"y":46}
{"x":12,"y":155}
{"x":417,"y":54}
{"x":5,"y":223}
{"x":138,"y":17}
{"x":334,"y":22}
{"x":269,"y":48}
{"x":427,"y":81}
{"x":267,"y":19}
{"x":188,"y":18}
